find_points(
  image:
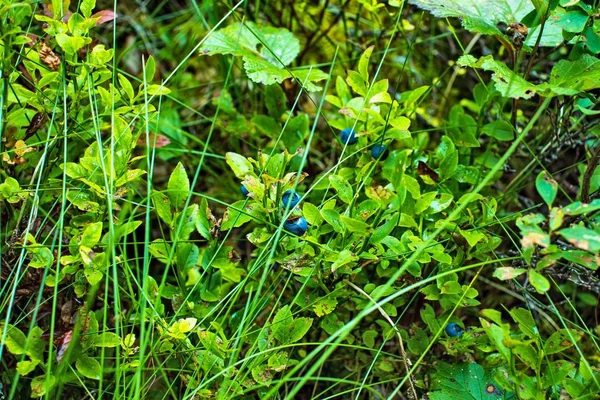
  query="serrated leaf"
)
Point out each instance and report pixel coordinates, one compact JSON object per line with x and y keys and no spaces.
{"x":266,"y":52}
{"x":478,"y":15}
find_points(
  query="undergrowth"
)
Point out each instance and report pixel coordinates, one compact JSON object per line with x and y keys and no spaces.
{"x":356,"y":199}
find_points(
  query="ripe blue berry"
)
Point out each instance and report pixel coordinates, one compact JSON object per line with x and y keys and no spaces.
{"x":297,"y":226}
{"x":454,"y":330}
{"x":244,"y":191}
{"x":290,"y":198}
{"x":379,"y":151}
{"x":348,"y":136}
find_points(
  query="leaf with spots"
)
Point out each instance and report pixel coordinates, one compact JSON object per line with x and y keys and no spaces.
{"x":561,"y":340}
{"x":547,"y":187}
{"x":466,"y":381}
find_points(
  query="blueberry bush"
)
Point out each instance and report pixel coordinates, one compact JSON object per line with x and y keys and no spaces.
{"x":315,"y":200}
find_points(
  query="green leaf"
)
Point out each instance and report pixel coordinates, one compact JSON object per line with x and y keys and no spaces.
{"x":571,"y":21}
{"x":89,"y":367}
{"x":150,"y":69}
{"x":178,"y":186}
{"x":466,"y":381}
{"x":239,"y":164}
{"x":333,"y":218}
{"x":508,"y":83}
{"x":282,"y":323}
{"x":357,"y":83}
{"x":546,"y":187}
{"x":363,"y":63}
{"x":286,"y":329}
{"x":572,"y":77}
{"x":92,"y":275}
{"x":578,"y":208}
{"x":26,"y":367}
{"x":40,"y":385}
{"x":525,"y":320}
{"x":448,"y":156}
{"x":311,"y":214}
{"x":561,"y":340}
{"x":157,"y":90}
{"x":582,"y":238}
{"x":473,"y":237}
{"x":478,"y":15}
{"x":299,"y":329}
{"x":384,"y":230}
{"x":507,"y":273}
{"x":126,"y":86}
{"x":500,"y":130}
{"x":354,"y":225}
{"x":71,"y":44}
{"x":265,"y":51}
{"x":42,"y":257}
{"x":86,"y":7}
{"x":342,"y":259}
{"x":107,"y":339}
{"x":15,"y":339}
{"x":275,"y":100}
{"x":369,"y":337}
{"x":342,"y":187}
{"x":182,"y":327}
{"x":202,"y":220}
{"x":91,"y":235}
{"x":540,"y":283}
{"x":324,"y":306}
{"x":162,"y":205}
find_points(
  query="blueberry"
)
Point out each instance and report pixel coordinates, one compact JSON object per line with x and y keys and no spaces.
{"x":244,"y":191}
{"x":379,"y":151}
{"x":290,"y":198}
{"x":297,"y":226}
{"x":348,"y":136}
{"x":454,"y":330}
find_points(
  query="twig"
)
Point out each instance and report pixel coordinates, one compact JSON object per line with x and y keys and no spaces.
{"x":407,"y":362}
{"x":587,"y":177}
